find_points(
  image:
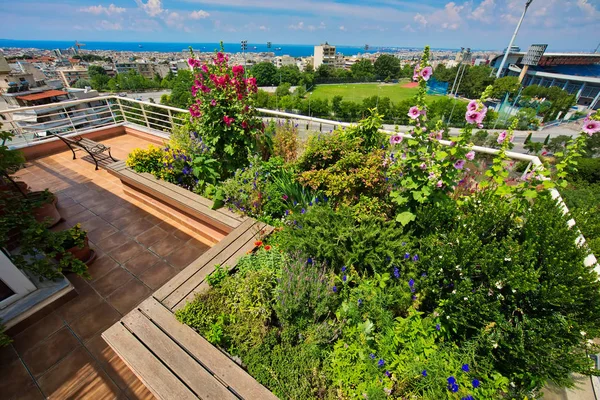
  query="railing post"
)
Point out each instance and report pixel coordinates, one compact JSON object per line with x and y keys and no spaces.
{"x":112,"y":114}
{"x":170,"y":119}
{"x":145,"y":116}
{"x":69,"y":118}
{"x":121,"y":108}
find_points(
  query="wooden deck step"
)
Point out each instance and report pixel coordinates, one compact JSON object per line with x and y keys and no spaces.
{"x":174,"y":361}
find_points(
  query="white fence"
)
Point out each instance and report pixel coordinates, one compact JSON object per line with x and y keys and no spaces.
{"x":32,"y":125}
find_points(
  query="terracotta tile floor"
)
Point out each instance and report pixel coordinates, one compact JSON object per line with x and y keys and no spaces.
{"x":63,"y":356}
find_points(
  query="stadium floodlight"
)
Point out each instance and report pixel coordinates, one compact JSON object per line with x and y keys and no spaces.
{"x":527,"y":4}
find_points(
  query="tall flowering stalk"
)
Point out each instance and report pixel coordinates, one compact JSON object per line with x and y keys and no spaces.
{"x":425,"y":170}
{"x":223,"y":111}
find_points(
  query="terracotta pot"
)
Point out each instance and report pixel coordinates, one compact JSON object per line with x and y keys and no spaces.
{"x":84,"y":254}
{"x":47,"y":212}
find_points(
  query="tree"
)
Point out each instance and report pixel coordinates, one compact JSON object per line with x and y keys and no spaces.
{"x":290,"y":74}
{"x":81,"y":84}
{"x":475,"y":81}
{"x":324,"y":71}
{"x":387,"y":66}
{"x":558,"y":143}
{"x":181,"y":95}
{"x":507,"y":84}
{"x":265,"y":73}
{"x":283,"y":89}
{"x":363,"y":69}
{"x":94,"y":70}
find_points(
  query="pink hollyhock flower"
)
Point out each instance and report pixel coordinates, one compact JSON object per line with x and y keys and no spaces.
{"x":414,"y":112}
{"x":220,"y":58}
{"x":426,"y":73}
{"x":439,"y":184}
{"x":228,"y":120}
{"x":423,"y":166}
{"x":439,"y":135}
{"x":205,"y":68}
{"x":482,"y":115}
{"x":251,"y":81}
{"x":473,"y":105}
{"x":213,"y":102}
{"x":470,"y":155}
{"x":472,"y":117}
{"x":424,"y":129}
{"x":502,"y":137}
{"x":395,"y":139}
{"x":244,"y":124}
{"x":194,"y":111}
{"x":591,"y":127}
{"x":431,"y":175}
{"x":238,"y":70}
{"x":512,"y":138}
{"x":459,"y":164}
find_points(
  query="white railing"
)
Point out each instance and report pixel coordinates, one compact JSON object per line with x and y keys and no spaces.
{"x":32,"y":125}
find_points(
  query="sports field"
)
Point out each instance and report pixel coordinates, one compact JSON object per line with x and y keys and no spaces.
{"x":359,"y":91}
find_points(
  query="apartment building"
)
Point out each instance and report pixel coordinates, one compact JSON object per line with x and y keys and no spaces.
{"x":71,"y":75}
{"x":325,"y":54}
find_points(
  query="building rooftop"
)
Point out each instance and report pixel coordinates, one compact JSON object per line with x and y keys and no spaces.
{"x":42,"y":95}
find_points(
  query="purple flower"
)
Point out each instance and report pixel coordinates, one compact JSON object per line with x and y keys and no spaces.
{"x":388,"y":374}
{"x":360,"y":302}
{"x":380,"y":363}
{"x":344,"y":268}
{"x":414,"y":112}
{"x":437,"y":327}
{"x":284,"y":197}
{"x":416,"y":258}
{"x":344,"y":278}
{"x":302,"y":211}
{"x":439,"y":184}
{"x":459,"y":164}
{"x":334,"y":289}
{"x":473,"y":105}
{"x":470,"y":155}
{"x":465,"y":368}
{"x":411,"y":284}
{"x":476,"y":383}
{"x":424,"y":373}
{"x":590,"y":126}
{"x":472,"y":117}
{"x":396,"y":273}
{"x":426,"y":73}
{"x":396,"y":139}
{"x":309,"y":260}
{"x":372,"y":356}
{"x":451,"y":380}
{"x":453,"y":388}
{"x":406,"y":256}
{"x":502,"y":137}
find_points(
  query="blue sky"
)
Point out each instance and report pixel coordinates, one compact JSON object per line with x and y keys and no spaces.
{"x":488,"y":24}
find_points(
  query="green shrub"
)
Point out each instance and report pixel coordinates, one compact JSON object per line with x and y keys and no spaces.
{"x":583,"y":201}
{"x":519,"y":279}
{"x":336,"y":236}
{"x":588,"y":169}
{"x":285,"y":140}
{"x":149,"y":160}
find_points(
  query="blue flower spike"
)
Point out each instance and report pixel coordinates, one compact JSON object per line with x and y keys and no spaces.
{"x":465,"y":368}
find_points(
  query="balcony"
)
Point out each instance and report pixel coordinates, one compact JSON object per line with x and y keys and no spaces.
{"x":141,"y":247}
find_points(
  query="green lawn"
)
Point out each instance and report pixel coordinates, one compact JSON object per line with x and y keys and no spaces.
{"x":359,"y":91}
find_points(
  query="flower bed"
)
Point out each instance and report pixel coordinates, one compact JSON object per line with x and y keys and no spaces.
{"x":400,"y":267}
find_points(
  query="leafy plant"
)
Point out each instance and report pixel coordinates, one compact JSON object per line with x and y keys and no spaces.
{"x":285,"y":140}
{"x":149,"y":160}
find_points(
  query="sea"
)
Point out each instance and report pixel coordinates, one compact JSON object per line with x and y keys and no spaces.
{"x":294,"y":50}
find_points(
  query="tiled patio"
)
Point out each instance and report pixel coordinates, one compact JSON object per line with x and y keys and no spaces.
{"x":63,"y":356}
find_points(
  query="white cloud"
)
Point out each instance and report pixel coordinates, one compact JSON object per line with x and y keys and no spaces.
{"x":587,"y":8}
{"x":105,"y":25}
{"x":298,"y":27}
{"x":263,"y":28}
{"x":177,"y":21}
{"x":373,"y":28}
{"x":343,"y":28}
{"x":421,"y":20}
{"x":100,"y":9}
{"x":200,"y":14}
{"x":408,"y":28}
{"x":152,"y":7}
{"x":484,"y":12}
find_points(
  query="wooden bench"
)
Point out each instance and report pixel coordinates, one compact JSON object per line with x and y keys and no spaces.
{"x":172,"y":359}
{"x":94,"y":149}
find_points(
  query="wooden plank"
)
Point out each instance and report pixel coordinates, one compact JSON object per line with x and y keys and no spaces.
{"x":192,"y":196}
{"x":229,"y":263}
{"x":161,"y":382}
{"x":186,"y":290}
{"x":186,"y":368}
{"x":204,"y":259}
{"x":116,"y":166}
{"x":209,"y":356}
{"x":151,"y":186}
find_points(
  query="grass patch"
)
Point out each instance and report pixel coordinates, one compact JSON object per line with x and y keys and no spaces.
{"x":359,"y":91}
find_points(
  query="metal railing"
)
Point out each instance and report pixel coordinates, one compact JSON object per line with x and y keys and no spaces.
{"x":32,"y":125}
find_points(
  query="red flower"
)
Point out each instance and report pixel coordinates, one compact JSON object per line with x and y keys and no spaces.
{"x":238,"y":70}
{"x":268,"y":247}
{"x":244,"y":124}
{"x":258,"y":243}
{"x":228,"y":120}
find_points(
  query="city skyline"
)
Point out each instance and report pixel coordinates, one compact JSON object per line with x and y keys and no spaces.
{"x":483,"y":24}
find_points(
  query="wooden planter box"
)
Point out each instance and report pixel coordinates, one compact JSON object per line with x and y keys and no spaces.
{"x":170,"y":358}
{"x":186,"y":208}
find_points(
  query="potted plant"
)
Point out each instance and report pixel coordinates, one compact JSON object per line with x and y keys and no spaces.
{"x":75,"y":242}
